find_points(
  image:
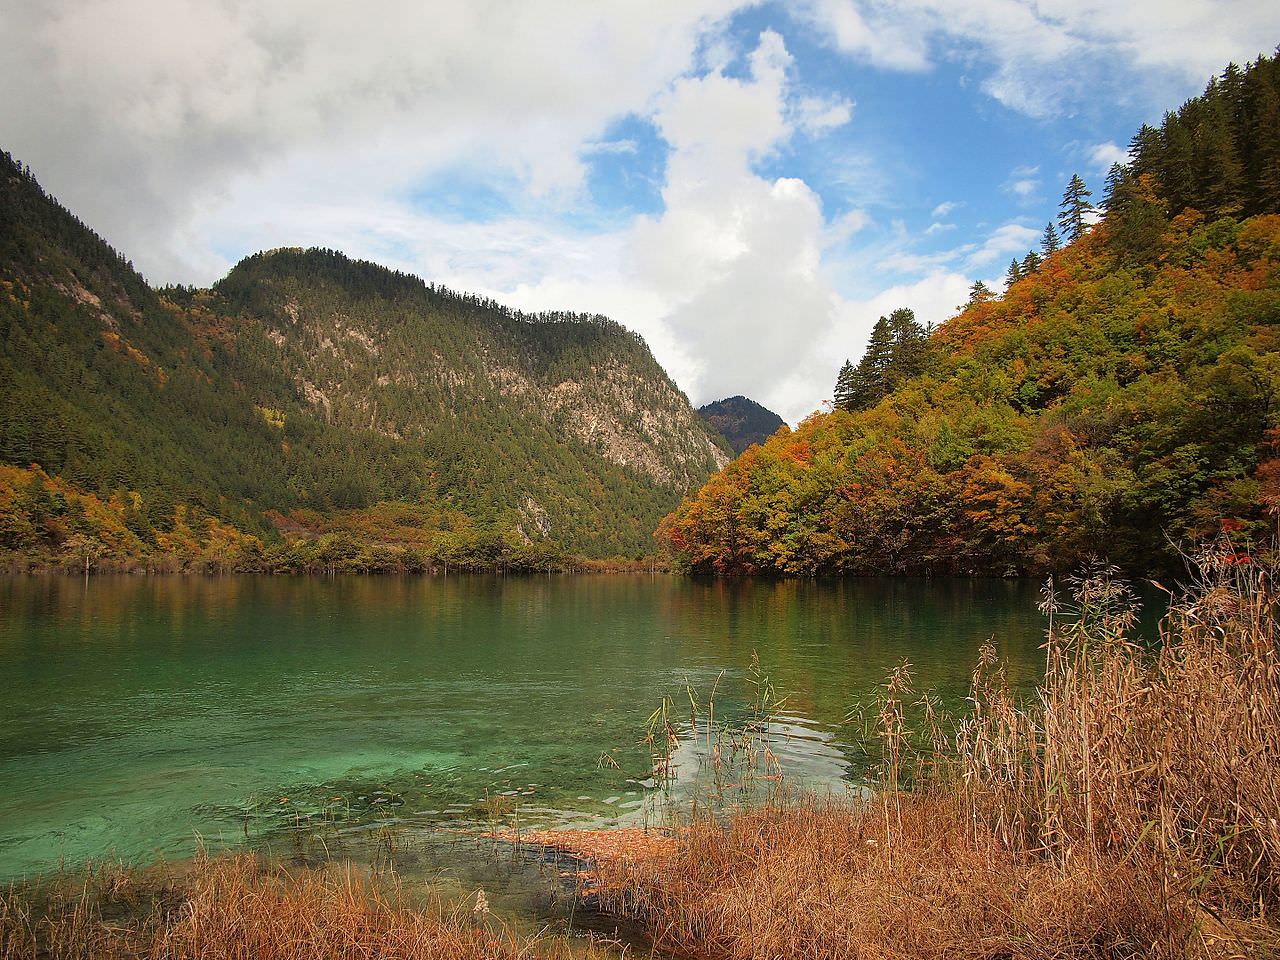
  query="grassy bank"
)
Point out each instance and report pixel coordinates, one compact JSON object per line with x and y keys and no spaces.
{"x":238,"y":908}
{"x":1126,"y":809}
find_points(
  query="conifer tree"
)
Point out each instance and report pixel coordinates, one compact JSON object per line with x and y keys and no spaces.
{"x":1075,"y":205}
{"x":1031,"y":263}
{"x":1114,"y":195}
{"x":1265,"y":132}
{"x":1219,"y":177}
{"x":842,"y":398}
{"x":1049,"y":242}
{"x":908,"y":347}
{"x":1014,"y":274}
{"x":896,"y":352}
{"x":869,"y":376}
{"x":1177,"y":163}
{"x":979,"y":293}
{"x":1143,"y":149}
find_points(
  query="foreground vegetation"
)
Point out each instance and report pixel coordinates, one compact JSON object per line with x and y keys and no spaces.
{"x":237,"y":908}
{"x":1122,"y":395}
{"x":1127,"y":809}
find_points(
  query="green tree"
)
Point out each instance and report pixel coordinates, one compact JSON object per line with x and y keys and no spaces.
{"x":979,"y":293}
{"x":1049,"y":242}
{"x":1075,"y":206}
{"x":843,"y":398}
{"x":908,"y":348}
{"x":869,"y":376}
{"x":1014,"y":274}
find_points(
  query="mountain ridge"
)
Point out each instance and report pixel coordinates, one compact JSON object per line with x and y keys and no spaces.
{"x":307,"y":382}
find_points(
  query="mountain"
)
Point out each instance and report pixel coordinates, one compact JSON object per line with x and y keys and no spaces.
{"x":308,"y":395}
{"x":1120,"y":399}
{"x":741,"y":421}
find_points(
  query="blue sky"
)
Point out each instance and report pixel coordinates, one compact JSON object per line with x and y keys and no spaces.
{"x":747,"y":185}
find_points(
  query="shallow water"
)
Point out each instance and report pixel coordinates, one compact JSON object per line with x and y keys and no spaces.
{"x":140,"y":714}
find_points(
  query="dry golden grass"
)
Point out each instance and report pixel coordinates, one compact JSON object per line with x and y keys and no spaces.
{"x":1128,"y":809}
{"x":812,"y":881}
{"x":235,"y":908}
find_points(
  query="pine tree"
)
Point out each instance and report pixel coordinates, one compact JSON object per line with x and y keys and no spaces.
{"x":908,"y":348}
{"x":1031,"y":263}
{"x":1014,"y":274}
{"x":1049,"y":240}
{"x":1113,"y":196}
{"x":1144,"y":151}
{"x":842,"y":398}
{"x":1177,"y":164}
{"x":1219,"y":174}
{"x":1075,"y":205}
{"x":978,"y":293}
{"x":868,"y":385}
{"x":1265,"y":133}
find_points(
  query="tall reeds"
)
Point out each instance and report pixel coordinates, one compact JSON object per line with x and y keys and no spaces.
{"x":1127,"y":807}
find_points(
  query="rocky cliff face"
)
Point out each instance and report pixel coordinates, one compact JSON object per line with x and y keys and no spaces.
{"x":400,"y":358}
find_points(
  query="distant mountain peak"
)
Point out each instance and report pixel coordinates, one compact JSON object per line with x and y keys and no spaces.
{"x":741,"y":421}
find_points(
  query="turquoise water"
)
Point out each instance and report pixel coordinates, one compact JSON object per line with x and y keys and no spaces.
{"x":140,"y":714}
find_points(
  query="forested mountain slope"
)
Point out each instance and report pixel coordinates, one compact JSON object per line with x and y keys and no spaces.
{"x":307,"y":392}
{"x":741,"y":421}
{"x":1121,"y":398}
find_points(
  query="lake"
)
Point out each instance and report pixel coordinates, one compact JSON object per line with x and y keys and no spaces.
{"x":140,"y":713}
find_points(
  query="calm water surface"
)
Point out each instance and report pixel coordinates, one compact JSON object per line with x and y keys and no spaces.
{"x":141,"y":712}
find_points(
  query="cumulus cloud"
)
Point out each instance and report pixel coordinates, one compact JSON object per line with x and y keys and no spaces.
{"x":144,"y":115}
{"x":738,"y":255}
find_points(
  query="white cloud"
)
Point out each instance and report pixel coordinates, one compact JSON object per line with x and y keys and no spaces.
{"x":1045,"y":54}
{"x":816,"y":115}
{"x":611,"y":146}
{"x":1009,"y":238}
{"x":179,"y":102}
{"x":737,"y":257}
{"x":870,"y":32}
{"x":1103,"y":155}
{"x":936,"y":228}
{"x":1023,"y":182}
{"x":845,"y":226}
{"x":944,"y":208}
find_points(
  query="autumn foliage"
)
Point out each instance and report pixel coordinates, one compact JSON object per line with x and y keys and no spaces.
{"x":1097,"y":407}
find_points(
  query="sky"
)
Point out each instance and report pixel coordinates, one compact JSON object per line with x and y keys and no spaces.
{"x":747,"y":185}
